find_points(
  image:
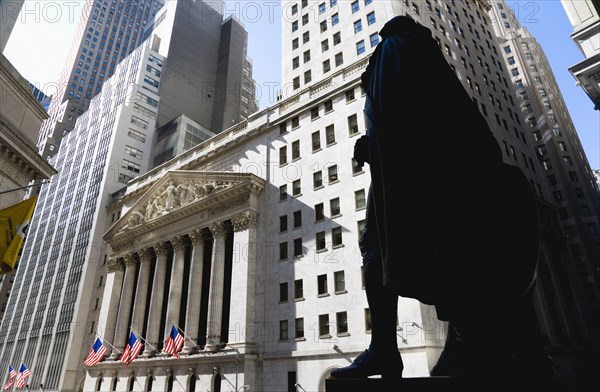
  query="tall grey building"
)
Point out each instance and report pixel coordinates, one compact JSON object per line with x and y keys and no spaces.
{"x":107,"y":31}
{"x":585,"y":18}
{"x":56,"y":298}
{"x":574,"y":254}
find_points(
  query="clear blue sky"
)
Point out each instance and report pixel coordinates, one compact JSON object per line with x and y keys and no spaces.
{"x":45,"y":32}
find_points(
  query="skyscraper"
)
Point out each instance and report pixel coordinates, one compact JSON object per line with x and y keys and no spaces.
{"x":107,"y":31}
{"x":9,"y":11}
{"x":54,"y":306}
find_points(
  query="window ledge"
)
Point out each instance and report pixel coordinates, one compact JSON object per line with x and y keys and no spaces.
{"x":354,"y":134}
{"x":315,"y":118}
{"x":318,"y":187}
{"x":361,"y":208}
{"x":317,"y":150}
{"x":337,"y":246}
{"x":331,"y":144}
{"x":299,"y":299}
{"x":297,"y":195}
{"x":299,"y":339}
{"x":340,"y":292}
{"x":327,"y":336}
{"x":333,"y":182}
{"x":283,"y":302}
{"x":321,"y":250}
{"x":323,"y":295}
{"x":294,"y":128}
{"x":336,"y":216}
{"x":343,"y":334}
{"x":358,"y":173}
{"x":329,"y":111}
{"x":350,"y":101}
{"x":283,"y":164}
{"x":296,"y":228}
{"x":296,"y":159}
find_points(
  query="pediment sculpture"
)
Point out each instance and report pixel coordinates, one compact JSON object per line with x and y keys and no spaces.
{"x":172,"y":196}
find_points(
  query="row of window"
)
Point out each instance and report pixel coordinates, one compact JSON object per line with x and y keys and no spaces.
{"x":298,"y":249}
{"x":360,"y":203}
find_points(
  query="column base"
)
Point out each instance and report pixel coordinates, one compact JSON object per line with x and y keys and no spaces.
{"x":148,"y":354}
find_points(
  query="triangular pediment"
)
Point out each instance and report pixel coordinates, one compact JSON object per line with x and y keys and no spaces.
{"x":182,"y":190}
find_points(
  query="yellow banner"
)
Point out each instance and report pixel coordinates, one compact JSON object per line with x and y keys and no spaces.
{"x":14,"y":222}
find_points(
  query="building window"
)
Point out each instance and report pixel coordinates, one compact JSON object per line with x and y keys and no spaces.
{"x":316,"y":141}
{"x":296,"y":189}
{"x":320,"y":241}
{"x":297,"y":247}
{"x":322,"y":8}
{"x":374,"y":38}
{"x":337,"y":38}
{"x":317,"y":179}
{"x":339,"y":280}
{"x":304,"y":19}
{"x":342,"y":322}
{"x":332,"y":173}
{"x":283,"y":192}
{"x":350,"y":95}
{"x":283,"y":251}
{"x":295,"y":122}
{"x":322,"y":284}
{"x":319,"y":212}
{"x":371,"y":18}
{"x":295,"y":44}
{"x":325,"y":45}
{"x":326,"y":66}
{"x":283,"y":223}
{"x":306,"y":56}
{"x":339,"y":59}
{"x":296,"y":82}
{"x":294,"y":9}
{"x":360,"y":47}
{"x":328,"y":106}
{"x":297,"y":219}
{"x":355,"y":6}
{"x":323,"y":26}
{"x":305,"y":37}
{"x":283,"y":292}
{"x":330,"y":135}
{"x":314,"y":113}
{"x":336,"y":237}
{"x":283,"y":155}
{"x":335,"y":19}
{"x":368,"y":325}
{"x":359,"y":199}
{"x":294,"y":26}
{"x":357,"y":26}
{"x":298,"y":289}
{"x":283,"y":330}
{"x":324,"y":326}
{"x":334,"y":205}
{"x":296,"y":150}
{"x":353,"y":124}
{"x":355,"y":167}
{"x":307,"y":76}
{"x":282,"y":128}
{"x":299,"y":328}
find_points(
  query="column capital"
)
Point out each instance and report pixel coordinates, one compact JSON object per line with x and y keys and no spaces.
{"x":196,"y":236}
{"x":114,"y":265}
{"x":218,"y":228}
{"x":144,"y":255}
{"x":245,"y":220}
{"x":160,"y":248}
{"x":178,"y":242}
{"x":130,"y":260}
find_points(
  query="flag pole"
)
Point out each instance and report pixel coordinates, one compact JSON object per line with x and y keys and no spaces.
{"x":145,"y":341}
{"x":185,"y":336}
{"x":113,"y":347}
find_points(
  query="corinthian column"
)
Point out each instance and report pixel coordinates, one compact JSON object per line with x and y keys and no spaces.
{"x":192,"y":313}
{"x":125,"y":304}
{"x":215,"y":298}
{"x":110,"y":301}
{"x":174,"y":304}
{"x":139,"y":305}
{"x":243,"y":295}
{"x":156,"y":301}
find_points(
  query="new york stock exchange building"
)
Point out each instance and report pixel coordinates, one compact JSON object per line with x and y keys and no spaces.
{"x":248,"y":245}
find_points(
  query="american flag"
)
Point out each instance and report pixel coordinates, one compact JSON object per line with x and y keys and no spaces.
{"x":96,"y":353}
{"x":174,"y":342}
{"x":23,"y":374}
{"x":11,"y":378}
{"x":131,"y":350}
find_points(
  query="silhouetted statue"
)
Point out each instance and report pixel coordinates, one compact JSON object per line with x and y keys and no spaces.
{"x":448,"y":223}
